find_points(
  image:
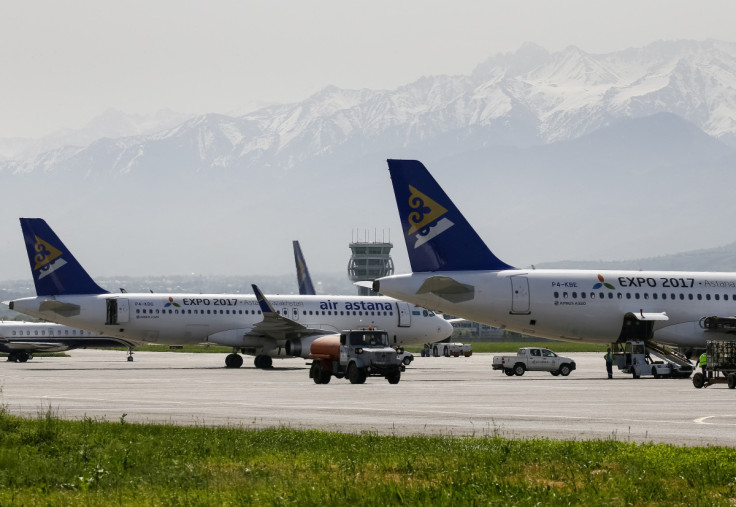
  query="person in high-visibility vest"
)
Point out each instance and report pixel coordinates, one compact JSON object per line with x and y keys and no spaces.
{"x":702,"y":361}
{"x":609,"y":362}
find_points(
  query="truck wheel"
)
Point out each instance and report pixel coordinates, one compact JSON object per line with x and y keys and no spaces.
{"x":519,"y":369}
{"x":698,"y":380}
{"x":394,"y":378}
{"x":324,"y":377}
{"x":732,"y":380}
{"x":509,"y":372}
{"x":655,"y":374}
{"x":555,"y":373}
{"x":407,"y":360}
{"x":355,"y":374}
{"x":565,"y":370}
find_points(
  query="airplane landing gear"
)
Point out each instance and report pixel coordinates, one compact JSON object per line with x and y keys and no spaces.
{"x":233,"y":361}
{"x":263,"y":361}
{"x":130,"y":355}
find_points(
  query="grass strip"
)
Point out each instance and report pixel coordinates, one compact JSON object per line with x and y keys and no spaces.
{"x":51,"y":461}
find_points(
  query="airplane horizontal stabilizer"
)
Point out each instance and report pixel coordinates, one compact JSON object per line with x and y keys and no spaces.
{"x":59,"y":307}
{"x":447,"y":288}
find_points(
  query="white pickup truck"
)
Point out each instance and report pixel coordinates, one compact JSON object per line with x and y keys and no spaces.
{"x":534,"y":359}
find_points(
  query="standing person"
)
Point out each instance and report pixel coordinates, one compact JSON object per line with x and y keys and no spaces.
{"x":702,"y":362}
{"x":609,"y":362}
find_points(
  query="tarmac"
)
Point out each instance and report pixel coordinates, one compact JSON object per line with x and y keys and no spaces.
{"x":436,"y":396}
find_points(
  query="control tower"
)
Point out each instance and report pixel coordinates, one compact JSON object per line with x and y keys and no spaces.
{"x":370,"y":260}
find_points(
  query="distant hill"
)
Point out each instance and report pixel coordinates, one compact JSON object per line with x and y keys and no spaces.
{"x":713,"y":259}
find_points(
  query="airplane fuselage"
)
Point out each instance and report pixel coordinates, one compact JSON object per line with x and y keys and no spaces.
{"x":196,"y":318}
{"x":577,"y":305}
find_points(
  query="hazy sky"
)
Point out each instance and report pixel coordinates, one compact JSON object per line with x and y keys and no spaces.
{"x":65,"y":62}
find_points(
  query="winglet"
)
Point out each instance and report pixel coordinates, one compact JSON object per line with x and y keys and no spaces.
{"x":302,"y":273}
{"x":437,"y":235}
{"x":265,"y":305}
{"x":55,"y":270}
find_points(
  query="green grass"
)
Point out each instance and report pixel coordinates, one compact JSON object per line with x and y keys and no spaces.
{"x":55,"y":462}
{"x":498,"y":347}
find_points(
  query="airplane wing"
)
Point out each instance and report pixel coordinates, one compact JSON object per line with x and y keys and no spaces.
{"x":62,"y":344}
{"x":277,"y":326}
{"x":274,"y":330}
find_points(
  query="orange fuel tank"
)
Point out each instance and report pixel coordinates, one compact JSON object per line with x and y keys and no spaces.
{"x":326,"y":347}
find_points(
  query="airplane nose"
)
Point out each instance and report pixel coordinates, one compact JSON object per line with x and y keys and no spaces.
{"x":446,"y":329}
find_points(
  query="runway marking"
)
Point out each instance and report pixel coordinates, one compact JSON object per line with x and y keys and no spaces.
{"x":704,"y":420}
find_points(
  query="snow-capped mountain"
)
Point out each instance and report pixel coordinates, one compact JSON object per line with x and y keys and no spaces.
{"x":527,"y":98}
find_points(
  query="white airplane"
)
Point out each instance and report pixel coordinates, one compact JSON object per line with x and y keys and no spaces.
{"x":453,"y":271}
{"x":20,"y":340}
{"x":66,"y":294}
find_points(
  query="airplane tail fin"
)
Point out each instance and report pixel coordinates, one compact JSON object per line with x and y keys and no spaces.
{"x":302,"y":273}
{"x":437,"y":235}
{"x":55,"y":270}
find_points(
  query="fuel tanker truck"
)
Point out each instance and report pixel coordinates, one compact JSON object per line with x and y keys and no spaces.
{"x":355,"y":355}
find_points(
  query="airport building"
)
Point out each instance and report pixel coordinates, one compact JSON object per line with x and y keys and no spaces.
{"x":369,"y":260}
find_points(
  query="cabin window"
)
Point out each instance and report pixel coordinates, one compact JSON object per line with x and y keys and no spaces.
{"x":637,"y":295}
{"x":682,"y":296}
{"x":655,"y":296}
{"x":582,"y":295}
{"x":610,"y":295}
{"x":717,"y":297}
{"x":620,"y":296}
{"x":690,"y":297}
{"x":700,"y":297}
{"x":574,"y":295}
{"x":707,"y":296}
{"x":557,"y":295}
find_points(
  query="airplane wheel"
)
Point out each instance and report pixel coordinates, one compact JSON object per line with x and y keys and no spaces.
{"x":233,"y":361}
{"x":130,"y":359}
{"x":23,"y":357}
{"x":263,"y":361}
{"x":435,"y":352}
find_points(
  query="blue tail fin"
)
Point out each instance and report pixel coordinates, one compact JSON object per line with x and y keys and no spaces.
{"x":55,"y":270}
{"x":302,"y":273}
{"x":438,"y":238}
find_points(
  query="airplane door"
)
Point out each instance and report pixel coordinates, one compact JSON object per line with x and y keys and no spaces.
{"x":404,"y":314}
{"x":117,"y":311}
{"x":520,"y":295}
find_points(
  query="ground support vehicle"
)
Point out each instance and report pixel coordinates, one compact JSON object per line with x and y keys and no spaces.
{"x":449,"y":349}
{"x":356,"y":355}
{"x":720,"y":365}
{"x":635,"y":357}
{"x":533,"y":359}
